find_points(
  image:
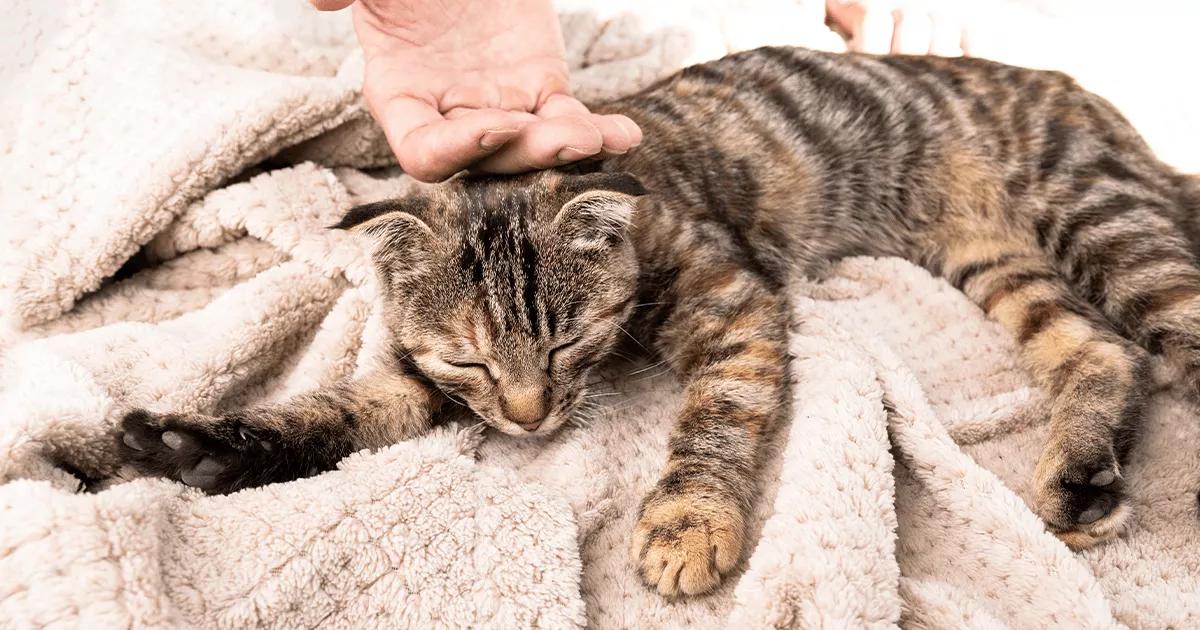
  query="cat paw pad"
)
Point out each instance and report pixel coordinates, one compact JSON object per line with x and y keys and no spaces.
{"x":213,"y":454}
{"x":1081,"y":499}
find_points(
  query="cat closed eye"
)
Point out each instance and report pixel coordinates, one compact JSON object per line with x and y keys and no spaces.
{"x":464,"y":365}
{"x":558,"y":350}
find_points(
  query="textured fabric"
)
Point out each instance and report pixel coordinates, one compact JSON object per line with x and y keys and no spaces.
{"x":168,"y":171}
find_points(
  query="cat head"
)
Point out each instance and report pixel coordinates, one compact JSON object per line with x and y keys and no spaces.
{"x":506,"y":292}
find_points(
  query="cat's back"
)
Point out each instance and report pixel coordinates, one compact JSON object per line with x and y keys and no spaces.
{"x":771,"y":102}
{"x":862,"y":154}
{"x":854,"y":118}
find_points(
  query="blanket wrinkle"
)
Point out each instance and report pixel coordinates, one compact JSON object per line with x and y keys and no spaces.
{"x":170,"y":170}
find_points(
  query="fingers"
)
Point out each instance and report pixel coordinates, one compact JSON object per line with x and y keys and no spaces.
{"x":487,"y":96}
{"x":914,"y":33}
{"x":490,"y":126}
{"x":474,"y":96}
{"x":514,"y":99}
{"x":565,"y":132}
{"x":910,"y":27}
{"x":618,"y":133}
{"x":948,"y":38}
{"x":431,"y":148}
{"x":869,"y":24}
{"x":455,"y":114}
{"x":545,"y":144}
{"x":876,"y":32}
{"x":559,"y":105}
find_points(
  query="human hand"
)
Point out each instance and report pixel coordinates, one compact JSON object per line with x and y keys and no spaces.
{"x":910,"y":27}
{"x":479,"y":84}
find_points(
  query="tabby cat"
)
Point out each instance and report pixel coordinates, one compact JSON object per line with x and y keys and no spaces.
{"x":1029,"y":194}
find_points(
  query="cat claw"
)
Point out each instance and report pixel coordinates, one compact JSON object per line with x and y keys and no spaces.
{"x":249,"y":436}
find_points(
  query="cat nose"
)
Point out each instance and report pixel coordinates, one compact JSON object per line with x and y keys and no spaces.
{"x":526,"y":406}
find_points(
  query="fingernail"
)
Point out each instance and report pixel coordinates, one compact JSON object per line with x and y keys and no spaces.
{"x":572,"y":154}
{"x":632,"y":134}
{"x":493,"y":138}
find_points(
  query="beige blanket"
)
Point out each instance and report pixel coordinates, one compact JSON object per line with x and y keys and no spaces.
{"x":165,"y":171}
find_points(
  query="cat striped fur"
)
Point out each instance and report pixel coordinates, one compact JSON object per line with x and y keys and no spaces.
{"x":1032,"y":196}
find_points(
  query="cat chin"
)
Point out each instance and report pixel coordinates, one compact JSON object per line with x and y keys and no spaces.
{"x":549,"y":427}
{"x":509,"y":428}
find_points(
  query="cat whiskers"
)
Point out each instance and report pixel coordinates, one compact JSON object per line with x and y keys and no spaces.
{"x":648,"y":367}
{"x":454,"y":399}
{"x":617,"y":406}
{"x":666,"y":370}
{"x":621,"y":355}
{"x":587,"y":409}
{"x":406,"y":355}
{"x":622,"y":329}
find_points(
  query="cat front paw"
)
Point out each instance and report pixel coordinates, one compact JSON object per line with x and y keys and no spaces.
{"x":685,"y":542}
{"x":1080,"y":494}
{"x":217,"y":455}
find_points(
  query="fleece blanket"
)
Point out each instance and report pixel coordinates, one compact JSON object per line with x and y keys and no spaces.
{"x":167,"y":170}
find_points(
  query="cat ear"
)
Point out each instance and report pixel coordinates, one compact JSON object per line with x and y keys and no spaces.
{"x":601,"y":210}
{"x":401,"y":239}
